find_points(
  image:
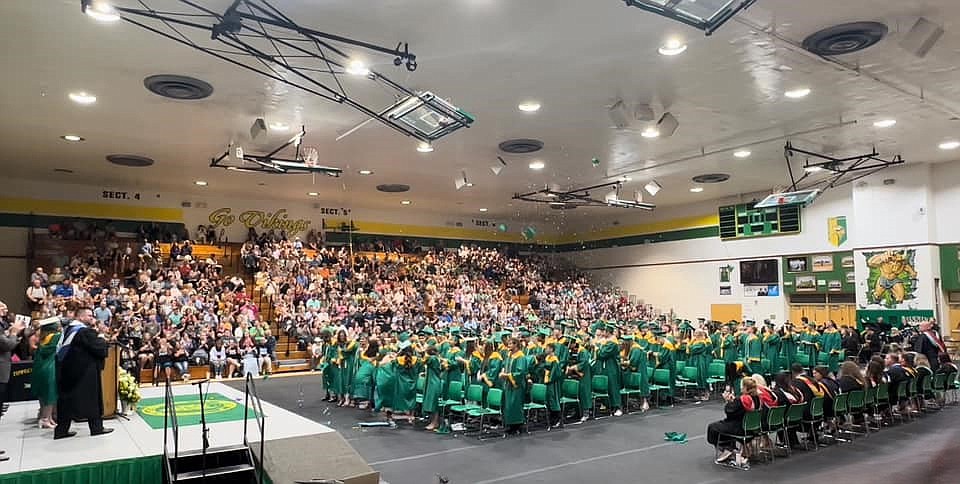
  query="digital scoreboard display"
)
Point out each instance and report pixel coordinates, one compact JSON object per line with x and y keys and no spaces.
{"x":745,"y":221}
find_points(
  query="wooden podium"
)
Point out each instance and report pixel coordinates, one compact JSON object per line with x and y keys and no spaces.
{"x":110,"y":381}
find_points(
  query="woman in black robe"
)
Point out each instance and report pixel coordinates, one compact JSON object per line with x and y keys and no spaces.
{"x":79,"y":362}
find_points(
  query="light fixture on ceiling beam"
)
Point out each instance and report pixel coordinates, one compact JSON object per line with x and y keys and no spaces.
{"x":304,"y":161}
{"x":461,"y":181}
{"x":840,"y":171}
{"x":298,"y":56}
{"x":707,"y":16}
{"x":100,"y":10}
{"x":653,"y":188}
{"x":582,"y":197}
{"x":497,"y":167}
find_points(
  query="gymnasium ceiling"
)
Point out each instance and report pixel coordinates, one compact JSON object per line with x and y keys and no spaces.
{"x":574,"y":57}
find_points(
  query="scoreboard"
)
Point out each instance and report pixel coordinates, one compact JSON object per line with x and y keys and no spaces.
{"x":745,"y":221}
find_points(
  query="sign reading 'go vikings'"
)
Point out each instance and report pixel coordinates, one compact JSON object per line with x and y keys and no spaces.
{"x":259,"y":219}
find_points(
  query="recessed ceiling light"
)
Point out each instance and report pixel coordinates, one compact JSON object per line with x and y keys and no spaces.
{"x":469,"y":184}
{"x":424,"y":147}
{"x":365,"y":172}
{"x":200,"y":183}
{"x":950,"y":145}
{"x":102,"y":11}
{"x":537,"y":165}
{"x":279,"y":126}
{"x":404,"y":202}
{"x":884,"y":123}
{"x":483,"y":210}
{"x":650,"y":132}
{"x":357,"y":68}
{"x":672,"y":47}
{"x":71,"y":137}
{"x":742,"y":153}
{"x":625,"y":178}
{"x":813,"y":169}
{"x":313,"y":194}
{"x":82,"y":97}
{"x":696,"y":189}
{"x":797,"y":93}
{"x":529,"y":107}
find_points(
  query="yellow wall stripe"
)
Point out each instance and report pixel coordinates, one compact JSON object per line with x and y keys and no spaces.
{"x":643,"y":229}
{"x":108,"y":211}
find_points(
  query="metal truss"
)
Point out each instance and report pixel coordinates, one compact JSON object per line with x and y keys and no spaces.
{"x":301,"y":164}
{"x":256,"y":36}
{"x":581,"y":197}
{"x":840,"y":171}
{"x":689,"y":12}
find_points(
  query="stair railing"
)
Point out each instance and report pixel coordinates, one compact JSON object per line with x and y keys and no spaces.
{"x":251,"y":396}
{"x":170,"y":422}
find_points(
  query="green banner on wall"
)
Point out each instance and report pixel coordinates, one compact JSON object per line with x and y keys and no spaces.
{"x":894,"y":317}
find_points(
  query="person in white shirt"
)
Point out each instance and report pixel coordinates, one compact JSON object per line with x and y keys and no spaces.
{"x":37,"y":295}
{"x":218,"y":359}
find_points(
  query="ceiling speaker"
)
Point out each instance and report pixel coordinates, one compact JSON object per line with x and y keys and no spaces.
{"x":668,"y":124}
{"x":921,"y":37}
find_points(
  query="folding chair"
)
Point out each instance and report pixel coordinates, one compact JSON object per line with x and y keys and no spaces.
{"x":420,"y":386}
{"x":538,"y":400}
{"x":856,"y":406}
{"x":630,"y":388}
{"x":570,"y":394}
{"x":938,"y":389}
{"x":687,"y":379}
{"x":775,"y":423}
{"x":474,"y":401}
{"x":716,"y":375}
{"x":881,"y":402}
{"x":751,"y":429}
{"x":815,"y":419}
{"x":661,"y":378}
{"x":454,"y":396}
{"x":794,"y":420}
{"x":493,"y":408}
{"x":599,"y":388}
{"x":840,"y":405}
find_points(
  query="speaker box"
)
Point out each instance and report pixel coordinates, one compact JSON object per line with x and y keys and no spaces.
{"x":921,"y":37}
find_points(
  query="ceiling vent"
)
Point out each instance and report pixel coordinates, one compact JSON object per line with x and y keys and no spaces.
{"x":711,"y":178}
{"x":845,"y":38}
{"x":393,"y":188}
{"x":178,"y":87}
{"x":521,"y":146}
{"x":134,"y":161}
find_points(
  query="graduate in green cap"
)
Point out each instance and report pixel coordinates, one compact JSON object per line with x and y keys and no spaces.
{"x":407,"y":366}
{"x":788,"y":343}
{"x":608,"y":355}
{"x":728,"y":344}
{"x":583,"y":371}
{"x":810,"y":343}
{"x":770,"y":344}
{"x":830,"y":345}
{"x":346,"y":366}
{"x":491,"y":365}
{"x":433,"y":369}
{"x":699,"y":351}
{"x":514,"y":381}
{"x":330,"y":366}
{"x":667,"y":361}
{"x":635,"y":361}
{"x":453,"y":363}
{"x":366,"y":372}
{"x":44,"y":377}
{"x":386,"y":381}
{"x":754,"y":350}
{"x":553,"y":379}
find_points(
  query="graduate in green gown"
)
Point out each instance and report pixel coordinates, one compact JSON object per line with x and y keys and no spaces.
{"x":635,"y":361}
{"x":366,"y":373}
{"x":754,"y":350}
{"x":830,"y":345}
{"x":490,"y":367}
{"x":407,"y":367}
{"x":514,"y":381}
{"x":583,"y":371}
{"x":44,"y":378}
{"x":810,"y":344}
{"x":788,"y":343}
{"x":433,"y":387}
{"x":386,"y":378}
{"x":472,"y":360}
{"x":347,"y":366}
{"x":553,"y":379}
{"x":699,"y":355}
{"x":770,"y":345}
{"x":330,"y":366}
{"x":608,"y":354}
{"x":453,"y":365}
{"x":728,"y":345}
{"x":667,"y":361}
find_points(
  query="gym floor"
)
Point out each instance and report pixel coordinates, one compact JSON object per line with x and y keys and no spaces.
{"x":626,"y":449}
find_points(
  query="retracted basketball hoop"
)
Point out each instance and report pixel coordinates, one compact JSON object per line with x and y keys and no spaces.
{"x":802,"y":197}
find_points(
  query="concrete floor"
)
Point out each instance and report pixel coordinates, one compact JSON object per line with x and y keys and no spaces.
{"x":629,"y":449}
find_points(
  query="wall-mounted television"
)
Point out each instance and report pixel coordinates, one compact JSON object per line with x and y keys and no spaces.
{"x":762,"y":271}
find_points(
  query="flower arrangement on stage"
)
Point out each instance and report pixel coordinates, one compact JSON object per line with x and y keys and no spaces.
{"x":129,"y":389}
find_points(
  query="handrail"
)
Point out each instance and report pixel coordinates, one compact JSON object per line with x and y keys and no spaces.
{"x":250,"y":391}
{"x":170,"y":418}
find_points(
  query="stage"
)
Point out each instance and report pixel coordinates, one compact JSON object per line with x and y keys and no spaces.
{"x":132,"y":452}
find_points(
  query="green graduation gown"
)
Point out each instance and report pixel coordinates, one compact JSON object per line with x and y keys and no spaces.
{"x":699,"y":356}
{"x":472,"y":368}
{"x":408,"y":369}
{"x":585,"y":366}
{"x":454,"y":369}
{"x":754,"y":353}
{"x":433,"y":367}
{"x":44,"y":379}
{"x":363,"y":380}
{"x":515,"y":388}
{"x":553,"y":379}
{"x":771,"y":354}
{"x":347,"y":367}
{"x":788,"y":347}
{"x":667,"y":362}
{"x":638,"y":364}
{"x":830,"y":344}
{"x":609,"y":355}
{"x":386,"y":378}
{"x":728,"y":349}
{"x":811,"y":346}
{"x":331,"y":369}
{"x":490,"y":372}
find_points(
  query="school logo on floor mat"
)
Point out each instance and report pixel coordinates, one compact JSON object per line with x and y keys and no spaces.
{"x":192,"y":409}
{"x":216,"y":408}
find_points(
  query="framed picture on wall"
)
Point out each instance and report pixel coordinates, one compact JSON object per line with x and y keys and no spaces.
{"x":846,"y":261}
{"x":726,"y":291}
{"x":834,"y":286}
{"x":796,"y":264}
{"x":822,"y":263}
{"x":851,"y":278}
{"x":806,"y":283}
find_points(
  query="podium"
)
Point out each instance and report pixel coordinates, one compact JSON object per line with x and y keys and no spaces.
{"x":110,"y":381}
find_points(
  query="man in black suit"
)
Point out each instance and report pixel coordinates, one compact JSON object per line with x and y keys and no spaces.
{"x":80,"y":359}
{"x":929,"y":344}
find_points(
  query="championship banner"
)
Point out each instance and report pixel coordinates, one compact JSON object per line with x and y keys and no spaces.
{"x":837,"y":230}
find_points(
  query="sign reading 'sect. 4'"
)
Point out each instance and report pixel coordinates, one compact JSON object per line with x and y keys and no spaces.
{"x":744,"y":221}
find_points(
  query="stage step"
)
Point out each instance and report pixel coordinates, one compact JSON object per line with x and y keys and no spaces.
{"x":240,"y":473}
{"x":233,"y":464}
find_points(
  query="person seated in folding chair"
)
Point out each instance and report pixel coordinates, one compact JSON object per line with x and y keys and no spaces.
{"x":734,"y":410}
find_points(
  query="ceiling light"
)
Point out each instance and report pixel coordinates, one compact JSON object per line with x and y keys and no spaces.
{"x":71,"y":137}
{"x":100,"y":10}
{"x":365,"y":172}
{"x":696,"y":189}
{"x":529,"y":107}
{"x":424,"y":147}
{"x":672,"y":47}
{"x":742,"y":153}
{"x":483,"y":210}
{"x":884,"y":123}
{"x":950,"y":145}
{"x":358,"y":68}
{"x":469,"y":184}
{"x":813,"y":169}
{"x":625,"y":178}
{"x":797,"y":93}
{"x":537,"y":165}
{"x":404,"y":202}
{"x":650,"y":132}
{"x":200,"y":183}
{"x":279,"y":126}
{"x":652,"y":188}
{"x":82,"y":97}
{"x":313,"y":194}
